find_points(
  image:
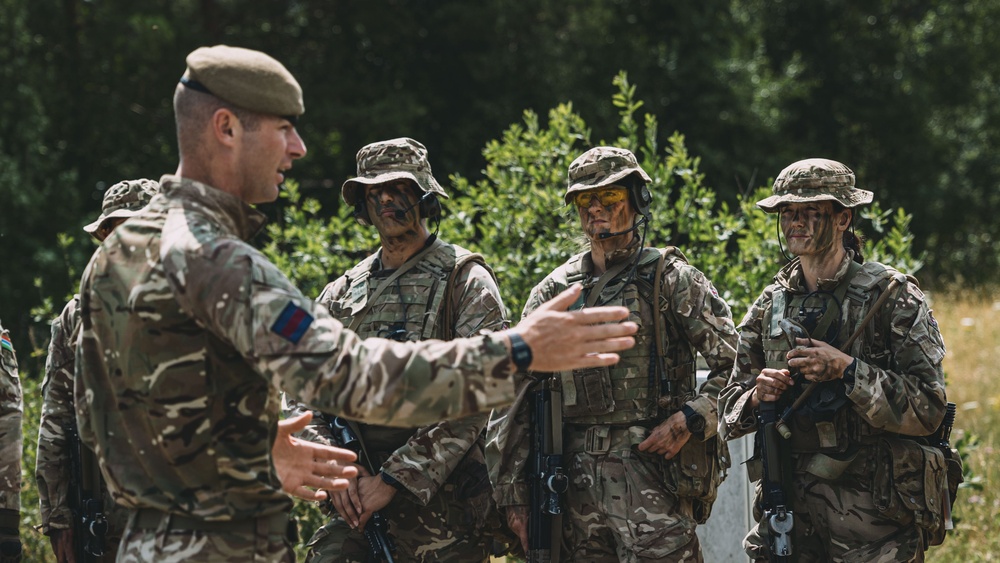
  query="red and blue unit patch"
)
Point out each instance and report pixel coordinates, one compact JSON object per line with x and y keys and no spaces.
{"x":292,"y":323}
{"x":5,"y":342}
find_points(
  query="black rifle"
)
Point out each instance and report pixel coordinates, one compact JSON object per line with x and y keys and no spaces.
{"x":380,"y":544}
{"x":777,"y":514}
{"x":942,"y":439}
{"x":546,"y":478}
{"x":90,"y":526}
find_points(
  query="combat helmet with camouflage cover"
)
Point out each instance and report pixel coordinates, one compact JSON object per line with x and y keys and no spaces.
{"x":815,"y":179}
{"x":605,"y":166}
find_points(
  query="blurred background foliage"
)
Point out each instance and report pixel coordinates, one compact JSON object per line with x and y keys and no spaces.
{"x":906,"y":93}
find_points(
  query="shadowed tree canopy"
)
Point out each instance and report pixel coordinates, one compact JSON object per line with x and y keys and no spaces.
{"x":903,"y":92}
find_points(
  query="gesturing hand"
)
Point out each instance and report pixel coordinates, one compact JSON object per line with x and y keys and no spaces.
{"x":304,"y":466}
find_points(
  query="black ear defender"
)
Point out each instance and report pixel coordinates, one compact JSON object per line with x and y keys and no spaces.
{"x":640,"y":197}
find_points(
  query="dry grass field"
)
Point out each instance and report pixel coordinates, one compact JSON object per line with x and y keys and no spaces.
{"x":970,"y":325}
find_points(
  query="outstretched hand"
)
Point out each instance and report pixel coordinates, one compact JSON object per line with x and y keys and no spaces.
{"x":306,"y":468}
{"x":563,"y":340}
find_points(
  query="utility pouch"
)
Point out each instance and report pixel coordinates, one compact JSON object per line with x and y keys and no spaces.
{"x":910,"y":485}
{"x":696,"y":472}
{"x":587,"y":392}
{"x":819,"y":436}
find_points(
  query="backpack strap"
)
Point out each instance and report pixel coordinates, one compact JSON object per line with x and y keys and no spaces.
{"x":447,"y":317}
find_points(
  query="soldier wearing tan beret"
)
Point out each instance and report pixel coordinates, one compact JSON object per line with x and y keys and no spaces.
{"x":189,"y":333}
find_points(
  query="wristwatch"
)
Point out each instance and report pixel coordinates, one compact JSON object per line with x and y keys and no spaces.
{"x":520,"y":351}
{"x":695,"y":422}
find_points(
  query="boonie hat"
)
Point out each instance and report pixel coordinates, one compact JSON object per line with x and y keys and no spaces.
{"x":815,"y":179}
{"x":601,"y":166}
{"x":390,"y":160}
{"x":246,"y":78}
{"x":124,"y":199}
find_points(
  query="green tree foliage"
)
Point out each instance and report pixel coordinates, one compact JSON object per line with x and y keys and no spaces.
{"x":904,"y":93}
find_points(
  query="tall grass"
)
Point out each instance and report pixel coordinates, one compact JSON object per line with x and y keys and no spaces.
{"x":970,"y":324}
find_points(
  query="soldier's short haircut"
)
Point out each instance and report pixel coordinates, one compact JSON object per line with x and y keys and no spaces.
{"x":192,"y":109}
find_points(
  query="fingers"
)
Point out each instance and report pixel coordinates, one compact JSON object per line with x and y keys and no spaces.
{"x":294,"y":424}
{"x":594,"y":315}
{"x":771,"y":383}
{"x":306,"y":493}
{"x":324,"y":453}
{"x":564,"y":300}
{"x":355,"y":499}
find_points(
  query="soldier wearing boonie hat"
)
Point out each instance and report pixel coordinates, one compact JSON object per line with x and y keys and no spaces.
{"x":871,"y":401}
{"x":815,"y":179}
{"x":189,"y":333}
{"x":639,"y":417}
{"x":52,"y":464}
{"x":121,"y":201}
{"x":416,"y":286}
{"x":395,"y":159}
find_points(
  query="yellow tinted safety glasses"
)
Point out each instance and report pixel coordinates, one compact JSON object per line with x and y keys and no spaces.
{"x":607,"y":196}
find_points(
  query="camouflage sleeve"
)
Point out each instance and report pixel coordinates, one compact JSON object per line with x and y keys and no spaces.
{"x":429,"y":457}
{"x":53,"y":461}
{"x":909,"y":398}
{"x":239,"y":296}
{"x":318,"y":431}
{"x":507,"y":434}
{"x":736,"y":417}
{"x":11,"y":408}
{"x":706,"y":320}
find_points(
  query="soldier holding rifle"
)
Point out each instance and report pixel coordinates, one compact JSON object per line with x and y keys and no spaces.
{"x":844,"y":411}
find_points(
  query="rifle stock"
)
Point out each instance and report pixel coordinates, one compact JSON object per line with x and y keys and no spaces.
{"x":380,"y":545}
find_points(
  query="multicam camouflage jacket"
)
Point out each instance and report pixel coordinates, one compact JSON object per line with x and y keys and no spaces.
{"x":189,"y":333}
{"x":11,"y":408}
{"x":424,"y":460}
{"x":898,"y":382}
{"x":697,"y":320}
{"x":52,"y":464}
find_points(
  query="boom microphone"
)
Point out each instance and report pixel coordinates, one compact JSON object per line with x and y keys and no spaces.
{"x":602,"y":236}
{"x":400,"y":215}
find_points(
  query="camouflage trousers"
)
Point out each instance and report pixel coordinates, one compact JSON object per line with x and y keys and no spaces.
{"x":618,"y":506}
{"x":837,"y":521}
{"x":441,"y":531}
{"x":164,"y":544}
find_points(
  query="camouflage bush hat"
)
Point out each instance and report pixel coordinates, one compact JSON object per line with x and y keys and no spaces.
{"x":249,"y":79}
{"x":602,"y":166}
{"x":815,"y":179}
{"x":124,"y":199}
{"x":390,"y":160}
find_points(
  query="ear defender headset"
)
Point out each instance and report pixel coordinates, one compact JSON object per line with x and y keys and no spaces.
{"x":640,"y":197}
{"x":428,"y":203}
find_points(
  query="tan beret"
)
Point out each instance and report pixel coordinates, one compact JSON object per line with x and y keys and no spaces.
{"x":246,"y":78}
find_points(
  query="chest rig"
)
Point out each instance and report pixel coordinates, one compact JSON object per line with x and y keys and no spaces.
{"x":645,"y":385}
{"x":826,"y":423}
{"x":410,"y":304}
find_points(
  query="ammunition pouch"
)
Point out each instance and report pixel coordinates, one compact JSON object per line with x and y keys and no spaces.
{"x":696,"y":472}
{"x":910,"y":485}
{"x":587,"y":392}
{"x":813,"y":435}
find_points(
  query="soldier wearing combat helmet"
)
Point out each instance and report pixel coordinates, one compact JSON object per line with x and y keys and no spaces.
{"x":53,"y":463}
{"x":188,"y":334}
{"x":428,"y":482}
{"x":855,"y":447}
{"x":639,"y":417}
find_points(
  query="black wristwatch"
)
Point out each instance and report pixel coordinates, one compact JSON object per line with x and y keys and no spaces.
{"x":391,"y":481}
{"x":695,"y":422}
{"x":520,"y":351}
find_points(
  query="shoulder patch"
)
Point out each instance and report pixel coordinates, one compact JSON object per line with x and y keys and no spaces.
{"x":292,"y":323}
{"x":5,"y":342}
